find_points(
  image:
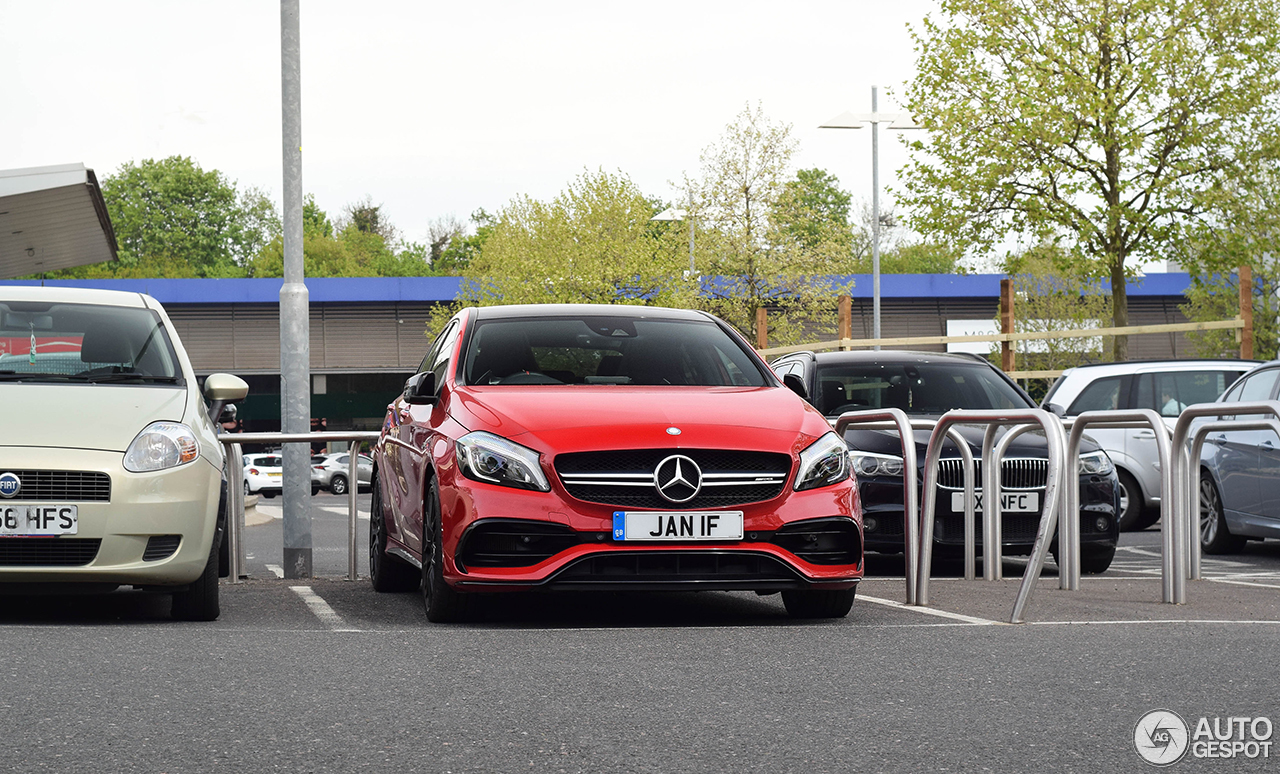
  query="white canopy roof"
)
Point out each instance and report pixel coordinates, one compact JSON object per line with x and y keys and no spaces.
{"x":52,"y":218}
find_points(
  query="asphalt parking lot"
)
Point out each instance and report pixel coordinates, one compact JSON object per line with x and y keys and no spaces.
{"x":326,"y":675}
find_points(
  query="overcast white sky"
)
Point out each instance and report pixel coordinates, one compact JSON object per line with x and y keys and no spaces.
{"x":435,"y":109}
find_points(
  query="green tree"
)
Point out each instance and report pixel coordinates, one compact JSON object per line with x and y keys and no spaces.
{"x":358,"y":248}
{"x":812,"y":209}
{"x":1093,"y":124}
{"x":590,"y":244}
{"x":172,"y":210}
{"x":758,"y":254}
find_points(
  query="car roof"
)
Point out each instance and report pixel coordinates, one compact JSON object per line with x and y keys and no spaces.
{"x":64,"y":295}
{"x":1137,"y":366}
{"x":589,"y":310}
{"x":898,"y":356}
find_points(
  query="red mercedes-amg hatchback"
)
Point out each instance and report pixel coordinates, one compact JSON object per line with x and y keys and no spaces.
{"x":608,"y":448}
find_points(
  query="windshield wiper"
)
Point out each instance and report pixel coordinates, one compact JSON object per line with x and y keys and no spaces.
{"x":126,"y":377}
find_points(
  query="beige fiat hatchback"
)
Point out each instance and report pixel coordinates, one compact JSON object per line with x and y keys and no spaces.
{"x":111,"y":473}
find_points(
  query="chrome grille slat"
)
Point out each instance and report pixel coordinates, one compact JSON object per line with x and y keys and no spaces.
{"x":63,"y":485}
{"x":621,"y":477}
{"x":1015,"y":473}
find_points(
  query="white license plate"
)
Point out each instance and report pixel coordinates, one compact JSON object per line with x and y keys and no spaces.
{"x":38,"y":520}
{"x":679,"y":525}
{"x":1013,"y":502}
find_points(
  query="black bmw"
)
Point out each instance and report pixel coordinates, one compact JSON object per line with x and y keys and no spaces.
{"x":929,"y":384}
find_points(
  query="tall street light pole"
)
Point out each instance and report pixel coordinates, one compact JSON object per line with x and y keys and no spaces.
{"x":857,"y":121}
{"x":672,"y":213}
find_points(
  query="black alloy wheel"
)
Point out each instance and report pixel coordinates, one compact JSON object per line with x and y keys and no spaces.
{"x":1215,"y":538}
{"x":443,"y":603}
{"x":338,"y":484}
{"x":819,"y":604}
{"x":387,"y":573}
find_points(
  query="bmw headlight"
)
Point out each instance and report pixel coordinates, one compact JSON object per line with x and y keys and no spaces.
{"x":1095,"y":464}
{"x":870,"y":465}
{"x":495,"y":460}
{"x":825,"y":462}
{"x":160,"y":446}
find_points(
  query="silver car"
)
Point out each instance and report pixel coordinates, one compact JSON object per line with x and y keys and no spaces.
{"x":330,"y":471}
{"x":1167,"y":386}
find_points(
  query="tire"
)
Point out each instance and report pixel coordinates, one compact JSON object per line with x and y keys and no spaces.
{"x":338,"y":485}
{"x":387,"y":573}
{"x":246,"y":489}
{"x":268,"y":495}
{"x":442,"y":602}
{"x":1096,"y":559}
{"x":819,"y":604}
{"x":1215,"y":538}
{"x":1134,"y":514}
{"x":199,"y":602}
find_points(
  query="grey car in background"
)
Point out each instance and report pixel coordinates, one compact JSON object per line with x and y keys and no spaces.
{"x":331,"y":471}
{"x":1166,"y":386}
{"x":1240,"y":473}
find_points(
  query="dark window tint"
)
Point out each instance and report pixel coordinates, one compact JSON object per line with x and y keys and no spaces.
{"x":1102,"y":395}
{"x":916,"y":388}
{"x":601,"y":350}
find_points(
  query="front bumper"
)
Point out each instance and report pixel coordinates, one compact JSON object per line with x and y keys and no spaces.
{"x":882,"y":513}
{"x":580,"y":553}
{"x":156,"y":530}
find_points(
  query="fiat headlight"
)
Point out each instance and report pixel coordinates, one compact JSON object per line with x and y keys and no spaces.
{"x":871,"y":465}
{"x":825,"y":462}
{"x":495,"y":460}
{"x":162,"y":445}
{"x":1095,"y":464}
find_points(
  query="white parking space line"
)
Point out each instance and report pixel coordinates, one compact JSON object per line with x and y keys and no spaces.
{"x":276,"y":570}
{"x":1142,"y":551}
{"x":322,"y":610}
{"x":1244,"y":583}
{"x":930,"y":611}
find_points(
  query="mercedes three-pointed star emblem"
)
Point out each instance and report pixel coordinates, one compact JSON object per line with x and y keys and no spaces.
{"x":678,"y":479}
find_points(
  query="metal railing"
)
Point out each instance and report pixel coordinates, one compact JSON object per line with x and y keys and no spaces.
{"x":992,"y":454}
{"x":1186,"y":463}
{"x":235,"y":490}
{"x":1172,"y":589}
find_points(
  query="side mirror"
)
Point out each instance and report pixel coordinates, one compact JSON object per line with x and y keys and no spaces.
{"x":420,"y":389}
{"x":796,"y":385}
{"x":1056,"y":410}
{"x":228,"y":413}
{"x":221,"y":389}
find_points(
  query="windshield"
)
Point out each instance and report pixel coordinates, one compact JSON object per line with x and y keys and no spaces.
{"x":87,"y":343}
{"x":607,"y":350}
{"x":916,"y":388}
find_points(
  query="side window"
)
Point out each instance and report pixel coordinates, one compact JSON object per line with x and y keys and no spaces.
{"x":1258,"y":386}
{"x":1102,"y":395}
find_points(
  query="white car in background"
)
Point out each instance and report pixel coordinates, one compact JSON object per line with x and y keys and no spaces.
{"x":111,"y":473}
{"x":263,"y":474}
{"x":1166,"y":386}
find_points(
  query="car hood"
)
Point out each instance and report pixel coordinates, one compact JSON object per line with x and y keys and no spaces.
{"x":100,"y":416}
{"x":1029,"y":444}
{"x":595,"y":417}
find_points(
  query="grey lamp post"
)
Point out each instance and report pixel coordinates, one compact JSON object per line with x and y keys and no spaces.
{"x":857,"y":121}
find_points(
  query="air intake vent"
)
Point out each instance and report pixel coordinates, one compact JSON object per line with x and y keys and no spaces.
{"x":48,"y":552}
{"x":513,"y":543}
{"x":161,"y":547}
{"x":822,"y":541}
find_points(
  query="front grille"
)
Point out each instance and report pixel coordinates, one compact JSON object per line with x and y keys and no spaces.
{"x":1015,"y":473}
{"x":625,"y":478}
{"x":48,"y":551}
{"x":1014,"y":527}
{"x":513,"y":543}
{"x":822,"y":541}
{"x":63,"y":485}
{"x":160,"y":547}
{"x":675,"y":567}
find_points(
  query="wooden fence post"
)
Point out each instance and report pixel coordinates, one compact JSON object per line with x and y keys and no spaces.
{"x":1006,"y":324}
{"x":846,"y":319}
{"x":1246,"y":312}
{"x":762,"y":328}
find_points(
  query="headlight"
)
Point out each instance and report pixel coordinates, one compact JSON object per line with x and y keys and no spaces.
{"x":825,"y":462}
{"x":495,"y":460}
{"x":1095,"y":464}
{"x":160,"y":446}
{"x":869,"y":465}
